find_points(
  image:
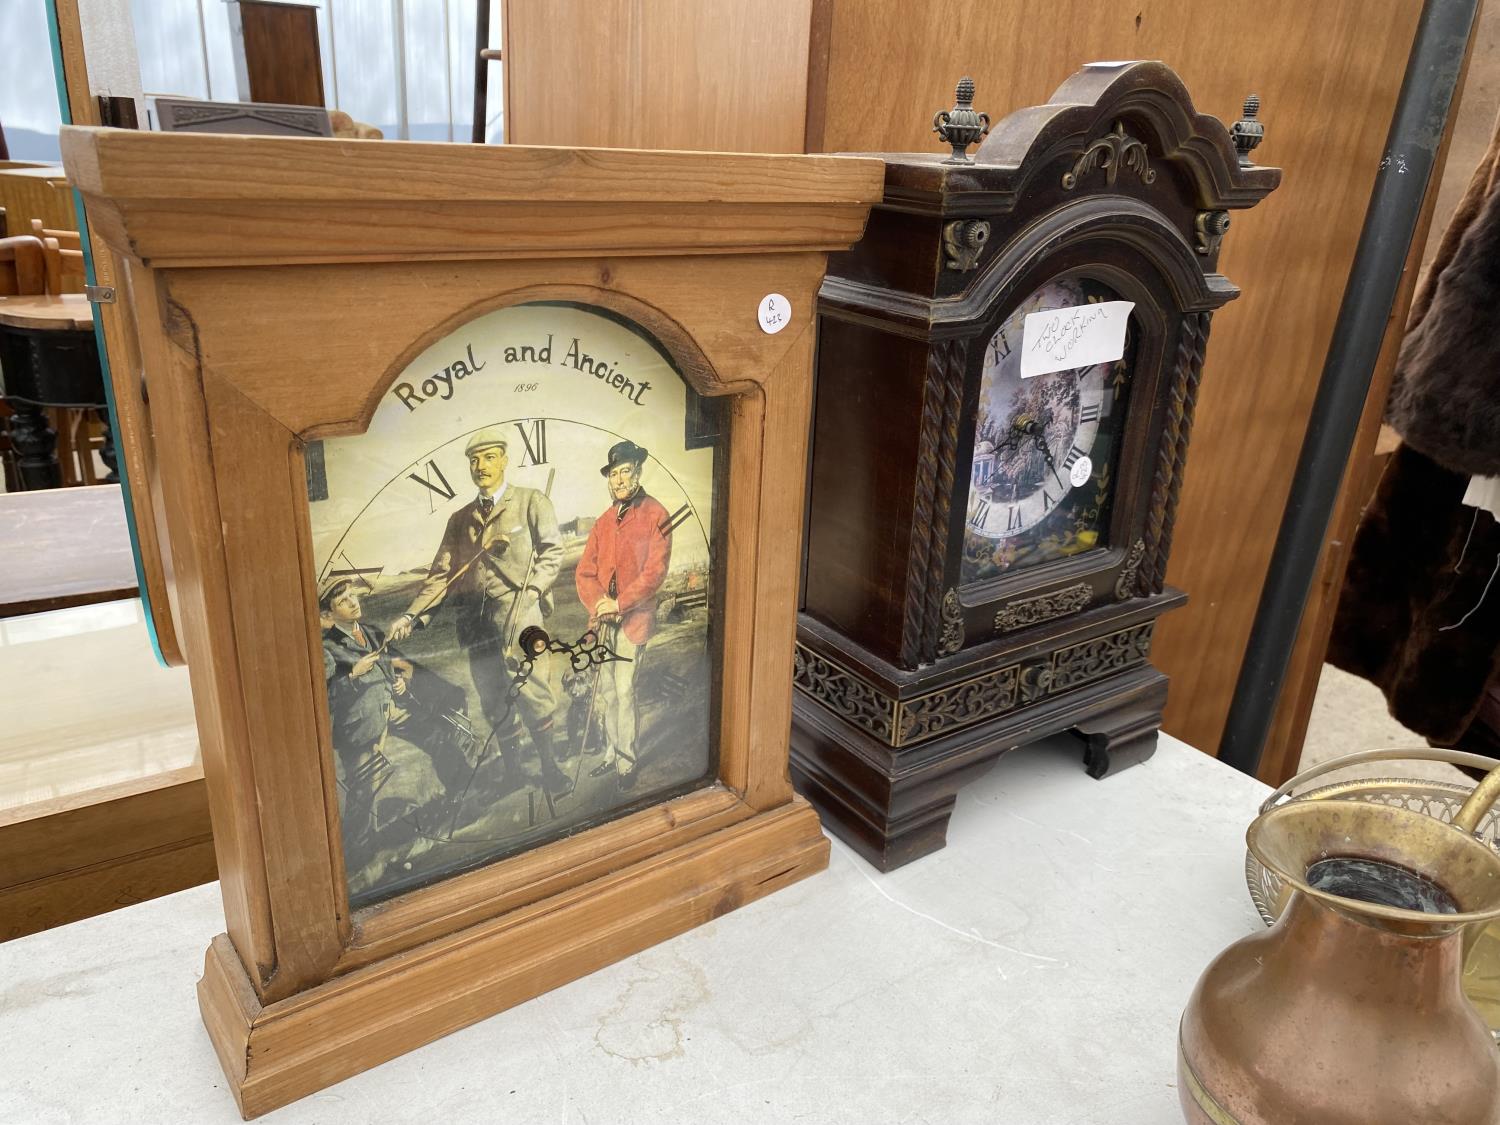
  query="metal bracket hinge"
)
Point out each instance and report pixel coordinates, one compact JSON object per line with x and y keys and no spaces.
{"x":100,"y":294}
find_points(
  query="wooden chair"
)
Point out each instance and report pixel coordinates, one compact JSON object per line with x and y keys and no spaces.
{"x":64,"y":257}
{"x":23,"y":266}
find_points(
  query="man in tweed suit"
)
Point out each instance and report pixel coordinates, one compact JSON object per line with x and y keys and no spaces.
{"x":495,"y":568}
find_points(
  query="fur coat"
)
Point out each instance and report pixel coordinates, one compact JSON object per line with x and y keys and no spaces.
{"x":1413,"y":616}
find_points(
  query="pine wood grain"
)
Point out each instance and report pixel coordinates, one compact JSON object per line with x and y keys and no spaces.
{"x":278,"y":1052}
{"x":302,"y":991}
{"x":259,"y":481}
{"x":709,"y":301}
{"x":191,"y":513}
{"x":129,"y":166}
{"x":403,"y":923}
{"x":777,"y":568}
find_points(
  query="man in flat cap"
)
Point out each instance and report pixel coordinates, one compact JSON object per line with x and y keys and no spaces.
{"x":495,"y":568}
{"x":623,"y":565}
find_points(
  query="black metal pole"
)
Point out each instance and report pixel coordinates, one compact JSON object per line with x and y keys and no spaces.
{"x":481,"y":69}
{"x":1432,"y":72}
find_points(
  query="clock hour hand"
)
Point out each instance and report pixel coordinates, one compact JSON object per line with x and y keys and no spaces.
{"x":586,"y":650}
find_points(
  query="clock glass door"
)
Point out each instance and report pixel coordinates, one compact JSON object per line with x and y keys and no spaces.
{"x":1046,"y":446}
{"x":516,"y":580}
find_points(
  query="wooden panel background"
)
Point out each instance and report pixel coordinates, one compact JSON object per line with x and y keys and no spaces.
{"x":719,"y":75}
{"x":1328,"y":75}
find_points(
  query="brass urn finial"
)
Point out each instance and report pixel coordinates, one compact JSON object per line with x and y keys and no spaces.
{"x":1248,"y":132}
{"x":961,"y":126}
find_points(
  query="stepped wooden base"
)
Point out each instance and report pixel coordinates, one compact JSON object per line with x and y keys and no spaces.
{"x":276,"y":1053}
{"x":892,"y":805}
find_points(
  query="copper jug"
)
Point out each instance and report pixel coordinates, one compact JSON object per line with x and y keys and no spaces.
{"x":1350,"y":1010}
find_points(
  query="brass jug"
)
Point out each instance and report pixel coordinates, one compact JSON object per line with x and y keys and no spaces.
{"x":1350,"y":1010}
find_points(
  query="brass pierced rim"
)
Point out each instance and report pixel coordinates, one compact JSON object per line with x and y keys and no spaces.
{"x":1416,"y":788}
{"x":1384,"y":754}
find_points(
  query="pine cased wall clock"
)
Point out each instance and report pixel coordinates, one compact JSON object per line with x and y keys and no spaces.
{"x":1007,"y":367}
{"x":451,"y":442}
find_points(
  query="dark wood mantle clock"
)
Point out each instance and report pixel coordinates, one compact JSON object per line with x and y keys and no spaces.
{"x":451,"y":442}
{"x":1007,"y":368}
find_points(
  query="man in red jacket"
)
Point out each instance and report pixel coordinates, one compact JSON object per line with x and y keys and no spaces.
{"x":623,"y":565}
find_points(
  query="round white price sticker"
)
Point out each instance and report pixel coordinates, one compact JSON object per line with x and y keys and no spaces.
{"x":1082,"y":469}
{"x":775,"y":313}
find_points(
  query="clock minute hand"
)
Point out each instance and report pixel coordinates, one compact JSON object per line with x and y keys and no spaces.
{"x":1047,"y":454}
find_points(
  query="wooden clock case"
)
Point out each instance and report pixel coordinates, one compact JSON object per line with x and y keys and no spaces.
{"x":278,"y":286}
{"x":909,"y":683}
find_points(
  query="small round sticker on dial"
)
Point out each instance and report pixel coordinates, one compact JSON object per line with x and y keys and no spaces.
{"x":1082,"y":469}
{"x":775,"y":313}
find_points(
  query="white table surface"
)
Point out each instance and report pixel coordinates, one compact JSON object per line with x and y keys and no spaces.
{"x":1033,"y":972}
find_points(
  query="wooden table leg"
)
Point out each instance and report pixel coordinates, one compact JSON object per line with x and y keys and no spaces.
{"x":36,"y":446}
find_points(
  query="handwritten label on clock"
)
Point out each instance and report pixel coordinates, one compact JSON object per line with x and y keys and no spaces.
{"x":775,"y":313}
{"x":1080,"y":471}
{"x":1079,"y":336}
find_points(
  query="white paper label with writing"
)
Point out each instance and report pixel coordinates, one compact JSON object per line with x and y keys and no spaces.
{"x":775,"y":313}
{"x":1081,"y":336}
{"x":1079,"y":474}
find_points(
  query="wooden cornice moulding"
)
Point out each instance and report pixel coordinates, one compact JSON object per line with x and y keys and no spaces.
{"x":1147,"y":97}
{"x":209,"y":200}
{"x":1127,"y":220}
{"x":325,"y":327}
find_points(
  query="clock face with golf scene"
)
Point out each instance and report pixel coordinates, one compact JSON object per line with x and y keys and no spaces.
{"x":515,"y":569}
{"x":1046,"y":447}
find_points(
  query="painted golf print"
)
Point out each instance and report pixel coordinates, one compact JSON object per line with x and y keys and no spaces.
{"x":516,"y":592}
